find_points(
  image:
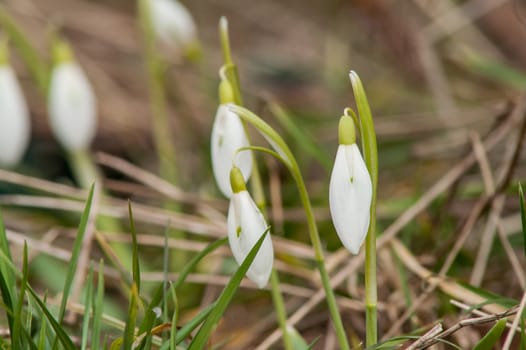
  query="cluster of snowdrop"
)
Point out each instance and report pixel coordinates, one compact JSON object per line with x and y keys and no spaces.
{"x":350,"y":190}
{"x":72,"y":104}
{"x":71,"y":107}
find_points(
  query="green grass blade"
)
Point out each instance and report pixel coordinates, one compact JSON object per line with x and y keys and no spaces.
{"x":188,"y":328}
{"x":7,"y":276}
{"x":129,"y":330}
{"x":77,"y":246}
{"x":16,"y":338}
{"x":173,"y":331}
{"x":224,"y":299}
{"x":61,"y":334}
{"x":87,"y":310}
{"x":135,"y":251}
{"x":196,"y":259}
{"x":302,"y":138}
{"x":492,"y":337}
{"x":522,"y":341}
{"x":98,"y":307}
{"x":523,"y":217}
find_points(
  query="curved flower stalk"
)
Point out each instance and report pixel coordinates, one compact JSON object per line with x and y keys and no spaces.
{"x":246,"y":224}
{"x":72,"y":103}
{"x":228,"y":136}
{"x":14,"y":115}
{"x":350,"y":190}
{"x":174,"y":26}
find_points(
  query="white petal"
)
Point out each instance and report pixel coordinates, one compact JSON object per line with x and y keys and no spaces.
{"x":228,"y":135}
{"x":173,"y":23}
{"x":72,"y":107}
{"x":14,"y":119}
{"x":350,"y":195}
{"x":244,"y":230}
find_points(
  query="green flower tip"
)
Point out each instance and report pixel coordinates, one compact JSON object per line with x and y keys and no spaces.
{"x":62,"y":52}
{"x":237,"y":181}
{"x":346,"y":131}
{"x":194,"y":52}
{"x":226,"y":92}
{"x":4,"y":51}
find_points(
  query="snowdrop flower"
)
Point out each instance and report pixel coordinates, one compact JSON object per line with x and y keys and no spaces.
{"x":174,"y":25}
{"x":14,"y":115}
{"x":350,"y":190}
{"x":246,"y":224}
{"x":228,"y":135}
{"x":72,"y":104}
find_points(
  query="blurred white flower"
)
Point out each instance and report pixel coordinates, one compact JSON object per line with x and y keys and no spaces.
{"x":350,"y":193}
{"x":72,"y":107}
{"x":246,"y":224}
{"x":228,"y":135}
{"x":173,"y":24}
{"x":14,"y":118}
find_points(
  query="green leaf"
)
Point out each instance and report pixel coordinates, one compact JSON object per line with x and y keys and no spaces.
{"x":18,"y":311}
{"x":62,"y":336}
{"x":98,"y":307}
{"x":196,"y":259}
{"x":135,"y":249}
{"x":224,"y":299}
{"x":173,"y":331}
{"x":129,"y":330}
{"x":299,"y":135}
{"x":77,"y":246}
{"x":87,"y":309}
{"x":7,"y":277}
{"x":492,"y":337}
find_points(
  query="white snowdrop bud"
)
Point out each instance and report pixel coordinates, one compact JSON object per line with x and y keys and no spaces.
{"x":246,"y":224}
{"x":350,"y":190}
{"x":72,"y":104}
{"x":174,"y":25}
{"x":14,"y":115}
{"x":228,"y":135}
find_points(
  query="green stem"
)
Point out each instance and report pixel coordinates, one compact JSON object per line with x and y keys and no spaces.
{"x":160,"y":127}
{"x":86,"y":173}
{"x":290,"y":162}
{"x":279,"y":306}
{"x":256,"y":183}
{"x":370,"y":152}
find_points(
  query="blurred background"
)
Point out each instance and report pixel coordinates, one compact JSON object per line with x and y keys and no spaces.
{"x":439,"y":75}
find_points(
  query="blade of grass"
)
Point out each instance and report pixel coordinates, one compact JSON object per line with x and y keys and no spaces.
{"x":98,"y":307}
{"x":492,"y":337}
{"x":173,"y":330}
{"x":302,"y":138}
{"x":7,"y":276}
{"x":129,"y":330}
{"x":77,"y":246}
{"x":135,"y":251}
{"x":224,"y":299}
{"x":196,"y":259}
{"x":18,"y":311}
{"x":61,"y":334}
{"x":87,"y":310}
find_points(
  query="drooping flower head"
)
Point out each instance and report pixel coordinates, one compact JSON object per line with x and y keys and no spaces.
{"x":228,"y":136}
{"x":174,"y":26}
{"x":14,"y":115}
{"x":71,"y":103}
{"x":246,"y":224}
{"x":350,"y":190}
